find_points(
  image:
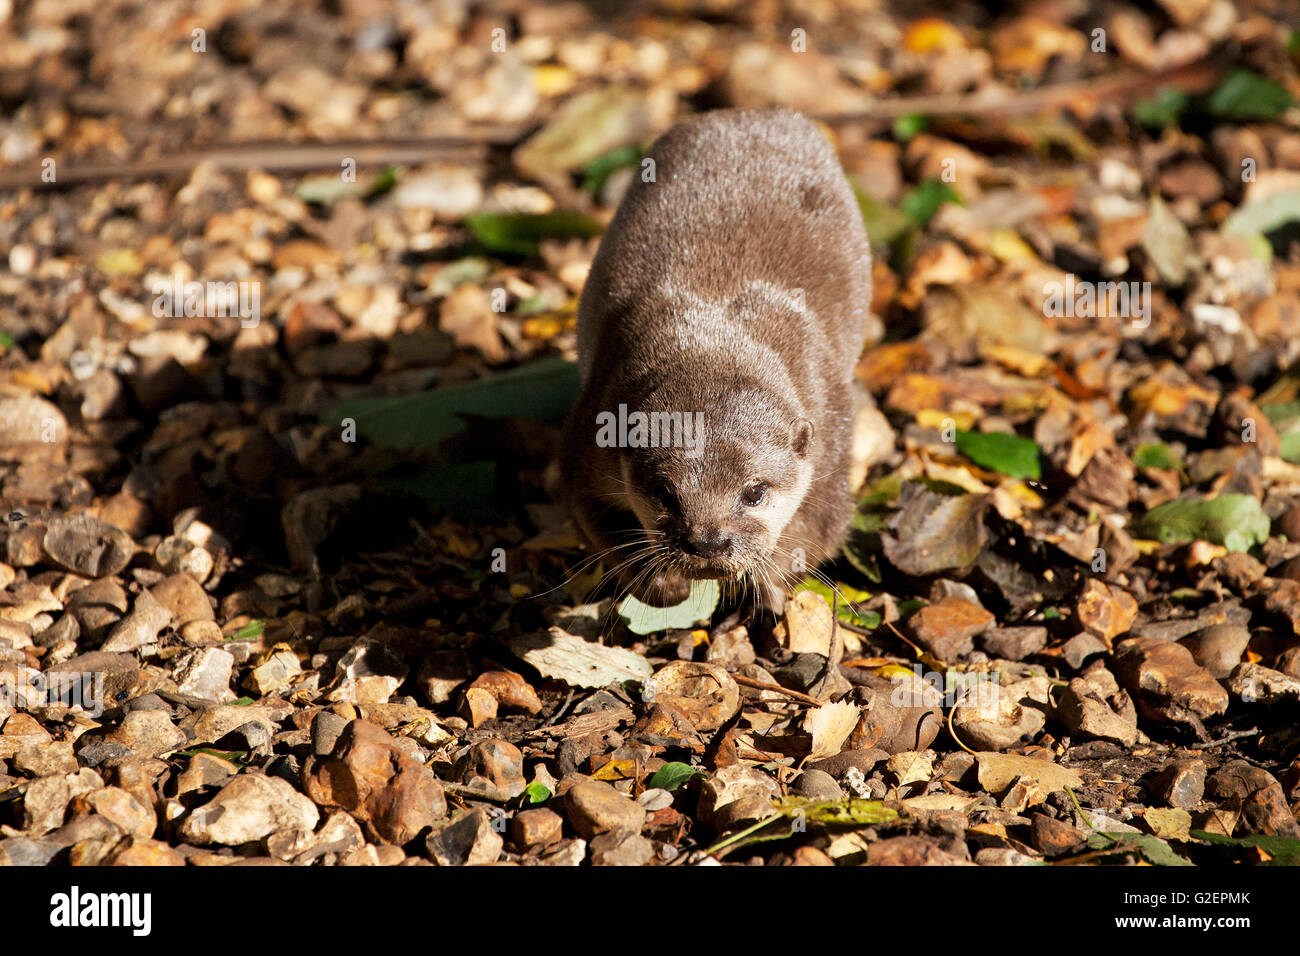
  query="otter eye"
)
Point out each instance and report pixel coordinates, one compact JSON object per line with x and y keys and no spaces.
{"x":661,"y":492}
{"x":754,"y":493}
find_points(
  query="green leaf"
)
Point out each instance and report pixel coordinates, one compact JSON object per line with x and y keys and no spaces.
{"x":1153,"y":849}
{"x":521,"y":233}
{"x":854,"y":811}
{"x":1278,"y":412}
{"x":251,"y":630}
{"x":1008,"y":454}
{"x":1245,"y":95}
{"x":642,"y":618}
{"x":924,"y":201}
{"x":1156,"y":455}
{"x":543,"y":390}
{"x":905,"y":127}
{"x":1235,"y":521}
{"x":673,"y":776}
{"x":1161,"y":111}
{"x":241,"y":702}
{"x":1290,"y":447}
{"x":536,"y":793}
{"x":7,"y":340}
{"x":1285,"y":851}
{"x":600,"y":168}
{"x":461,"y":488}
{"x":845,"y":611}
{"x":884,"y":223}
{"x":237,"y":757}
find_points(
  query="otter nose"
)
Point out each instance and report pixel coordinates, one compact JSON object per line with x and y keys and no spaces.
{"x":708,"y":543}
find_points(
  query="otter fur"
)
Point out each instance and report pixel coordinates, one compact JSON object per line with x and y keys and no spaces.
{"x":717,"y":334}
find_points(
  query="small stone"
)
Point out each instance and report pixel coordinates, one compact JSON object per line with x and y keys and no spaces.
{"x":733,"y":783}
{"x":369,"y":775}
{"x":372,"y":855}
{"x":249,"y":807}
{"x":705,"y":693}
{"x":184,"y":597}
{"x":20,"y":851}
{"x":41,"y":760}
{"x":540,"y":827}
{"x":1218,"y":648}
{"x":88,"y":546}
{"x":731,"y":649}
{"x":326,"y":728}
{"x":994,"y":717}
{"x":655,"y":799}
{"x":369,"y":673}
{"x":494,"y":766}
{"x":209,"y":724}
{"x":510,"y":689}
{"x":338,"y":834}
{"x":1053,"y":837}
{"x":140,"y":627}
{"x":1254,"y":683}
{"x":279,"y":668}
{"x":205,"y":673}
{"x":31,"y":426}
{"x":947,"y":628}
{"x":121,"y":809}
{"x":862,"y":760}
{"x":1081,"y":649}
{"x":817,"y":785}
{"x":1181,"y":784}
{"x":479,"y":706}
{"x":441,"y":674}
{"x":147,"y":733}
{"x":810,"y":856}
{"x":621,"y":849}
{"x":467,"y":839}
{"x":911,"y":851}
{"x":1094,"y":706}
{"x":1257,"y":795}
{"x":201,"y":633}
{"x":142,"y":851}
{"x":1167,"y":683}
{"x":1106,"y":611}
{"x":205,"y":770}
{"x":1013,"y":643}
{"x":98,"y":606}
{"x":593,"y":807}
{"x":47,"y":798}
{"x":1289,"y":524}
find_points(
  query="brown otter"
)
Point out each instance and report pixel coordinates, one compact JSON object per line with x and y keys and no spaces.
{"x":717,"y":334}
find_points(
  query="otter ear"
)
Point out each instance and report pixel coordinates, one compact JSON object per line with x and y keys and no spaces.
{"x":801,"y":436}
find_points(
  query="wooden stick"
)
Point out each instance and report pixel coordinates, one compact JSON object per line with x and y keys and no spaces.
{"x":1194,"y":77}
{"x":276,"y":157}
{"x":776,"y":689}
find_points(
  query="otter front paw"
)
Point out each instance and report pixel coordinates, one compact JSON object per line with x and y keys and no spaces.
{"x":664,"y":589}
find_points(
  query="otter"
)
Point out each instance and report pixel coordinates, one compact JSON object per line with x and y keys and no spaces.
{"x":718,"y":330}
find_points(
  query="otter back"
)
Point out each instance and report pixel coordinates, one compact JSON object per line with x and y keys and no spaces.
{"x":734,"y":281}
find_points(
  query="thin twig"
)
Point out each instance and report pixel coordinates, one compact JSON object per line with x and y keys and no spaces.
{"x":1223,"y":740}
{"x":1194,"y":77}
{"x":776,"y":689}
{"x":273,"y":157}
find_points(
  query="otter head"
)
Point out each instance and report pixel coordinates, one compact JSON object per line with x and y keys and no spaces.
{"x":718,"y":509}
